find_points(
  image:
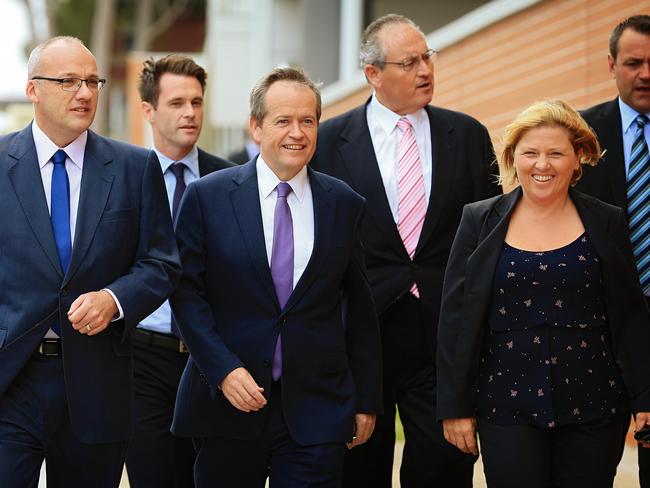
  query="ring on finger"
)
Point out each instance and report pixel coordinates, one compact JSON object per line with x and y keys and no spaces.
{"x":89,"y":327}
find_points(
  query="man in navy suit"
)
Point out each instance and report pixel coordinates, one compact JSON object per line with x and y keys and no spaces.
{"x":275,"y":308}
{"x":615,"y":125}
{"x":86,"y":252}
{"x":417,"y":166}
{"x":171,"y":90}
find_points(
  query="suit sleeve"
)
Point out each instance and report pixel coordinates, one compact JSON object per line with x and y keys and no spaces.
{"x":189,"y":303}
{"x":487,"y":184}
{"x":455,"y":398}
{"x":632,"y":337}
{"x":362,"y":330}
{"x":156,"y":267}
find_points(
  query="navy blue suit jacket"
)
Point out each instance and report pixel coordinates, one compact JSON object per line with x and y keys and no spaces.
{"x":123,"y":241}
{"x":229,"y":316}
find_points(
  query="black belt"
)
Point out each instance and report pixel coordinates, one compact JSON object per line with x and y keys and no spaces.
{"x":50,"y":348}
{"x":160,"y":340}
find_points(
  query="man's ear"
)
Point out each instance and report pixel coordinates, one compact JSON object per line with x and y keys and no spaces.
{"x":255,"y":129}
{"x":373,"y":74}
{"x":611,"y":63}
{"x":148,"y":111}
{"x":30,"y":91}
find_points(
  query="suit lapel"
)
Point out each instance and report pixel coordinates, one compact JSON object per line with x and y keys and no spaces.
{"x":246,"y":207}
{"x":443,"y":149}
{"x":26,"y":179}
{"x":595,"y":225}
{"x":96,"y":181}
{"x":324,"y":206}
{"x":611,"y":138}
{"x":358,"y":156}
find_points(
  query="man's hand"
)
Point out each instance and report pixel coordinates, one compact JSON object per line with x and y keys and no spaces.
{"x":461,"y":433}
{"x":364,"y":424}
{"x":642,"y":419}
{"x":242,"y":392}
{"x":91,"y":312}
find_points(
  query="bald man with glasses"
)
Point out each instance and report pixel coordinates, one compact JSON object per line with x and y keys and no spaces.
{"x":86,"y":252}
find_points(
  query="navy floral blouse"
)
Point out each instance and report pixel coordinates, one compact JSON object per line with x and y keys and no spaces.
{"x":547,"y":357}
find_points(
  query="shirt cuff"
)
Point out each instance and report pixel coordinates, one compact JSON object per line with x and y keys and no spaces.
{"x":120,"y":312}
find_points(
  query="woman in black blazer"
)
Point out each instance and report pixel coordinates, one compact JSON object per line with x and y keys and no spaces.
{"x":543,"y":339}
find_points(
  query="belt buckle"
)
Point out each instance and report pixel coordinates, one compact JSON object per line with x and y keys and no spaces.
{"x":182,"y":347}
{"x":45,"y":353}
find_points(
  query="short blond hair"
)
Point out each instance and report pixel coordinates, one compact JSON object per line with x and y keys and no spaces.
{"x":548,"y":113}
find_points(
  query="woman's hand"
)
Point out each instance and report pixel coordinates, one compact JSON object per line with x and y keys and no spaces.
{"x":461,"y":433}
{"x":642,"y":419}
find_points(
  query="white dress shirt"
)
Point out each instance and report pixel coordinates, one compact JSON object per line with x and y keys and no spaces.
{"x":45,"y":149}
{"x":302,"y":214}
{"x":385,"y":136}
{"x":629,"y":128}
{"x":160,"y":319}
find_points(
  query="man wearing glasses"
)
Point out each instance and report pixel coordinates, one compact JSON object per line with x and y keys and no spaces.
{"x":417,"y":166}
{"x":86,"y":252}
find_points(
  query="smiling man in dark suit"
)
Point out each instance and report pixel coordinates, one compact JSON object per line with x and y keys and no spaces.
{"x":171,"y":89}
{"x":417,"y":166}
{"x":86,"y":252}
{"x":275,"y":307}
{"x":620,"y":177}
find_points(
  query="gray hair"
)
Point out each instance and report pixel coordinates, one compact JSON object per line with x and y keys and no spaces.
{"x":257,"y":97}
{"x":35,"y":56}
{"x":371,"y":50}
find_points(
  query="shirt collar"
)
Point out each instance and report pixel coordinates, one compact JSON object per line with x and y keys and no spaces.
{"x":191,"y":160}
{"x":45,"y":148}
{"x":387,"y":119}
{"x":628,"y":115}
{"x":267,"y":180}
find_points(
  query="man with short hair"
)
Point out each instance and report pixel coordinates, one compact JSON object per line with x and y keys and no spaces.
{"x":87,"y":253}
{"x":171,"y":90}
{"x":275,"y":307}
{"x":417,"y":166}
{"x":621,"y":177}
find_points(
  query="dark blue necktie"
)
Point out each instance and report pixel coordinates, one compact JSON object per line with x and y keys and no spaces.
{"x":60,"y":214}
{"x":638,"y":197}
{"x":282,"y":262}
{"x":178,"y":169}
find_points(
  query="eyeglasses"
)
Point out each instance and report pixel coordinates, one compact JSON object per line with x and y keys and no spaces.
{"x":74,"y":84}
{"x":407,"y":64}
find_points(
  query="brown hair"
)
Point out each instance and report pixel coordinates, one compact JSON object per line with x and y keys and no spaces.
{"x":152,"y":71}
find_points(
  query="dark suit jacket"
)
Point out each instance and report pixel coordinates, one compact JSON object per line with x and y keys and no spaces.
{"x":468,"y":291}
{"x":209,"y":163}
{"x":606,"y":180}
{"x":239,"y":157}
{"x":123,"y":241}
{"x":462,"y":173}
{"x":228,"y":313}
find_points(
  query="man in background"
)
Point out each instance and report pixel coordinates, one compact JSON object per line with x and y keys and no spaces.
{"x":86,"y":252}
{"x":622,"y":177}
{"x":417,"y":166}
{"x":172,"y":90}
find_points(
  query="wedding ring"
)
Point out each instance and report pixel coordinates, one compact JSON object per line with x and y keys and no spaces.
{"x":88,"y":327}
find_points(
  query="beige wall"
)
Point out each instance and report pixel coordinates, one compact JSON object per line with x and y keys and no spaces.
{"x":555,"y":49}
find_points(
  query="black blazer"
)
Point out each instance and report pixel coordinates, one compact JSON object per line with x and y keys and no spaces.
{"x":606,"y":180}
{"x":468,"y":291}
{"x":209,"y":163}
{"x":462,"y":172}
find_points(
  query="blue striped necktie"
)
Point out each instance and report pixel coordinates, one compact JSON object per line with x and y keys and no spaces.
{"x":638,"y":203}
{"x":60,"y":214}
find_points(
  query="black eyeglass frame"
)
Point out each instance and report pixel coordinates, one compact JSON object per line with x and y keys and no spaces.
{"x":61,"y":81}
{"x":410,"y":62}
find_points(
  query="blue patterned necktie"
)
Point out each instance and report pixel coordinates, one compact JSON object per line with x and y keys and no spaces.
{"x":60,"y":214}
{"x":638,"y":199}
{"x":282,"y":262}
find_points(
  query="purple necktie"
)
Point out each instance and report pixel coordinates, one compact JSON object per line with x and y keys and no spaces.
{"x":282,"y":262}
{"x":179,"y":172}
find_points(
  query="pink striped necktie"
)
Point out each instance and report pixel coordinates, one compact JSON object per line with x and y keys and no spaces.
{"x":412,"y":205}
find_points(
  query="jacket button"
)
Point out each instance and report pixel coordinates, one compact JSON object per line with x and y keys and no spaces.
{"x":267,"y":363}
{"x":64,"y":292}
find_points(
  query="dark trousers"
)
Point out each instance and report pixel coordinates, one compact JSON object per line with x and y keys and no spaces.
{"x":644,"y":467}
{"x":409,"y":384}
{"x":35,"y":425}
{"x":156,"y":458}
{"x":573,"y":456}
{"x":230,"y":463}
